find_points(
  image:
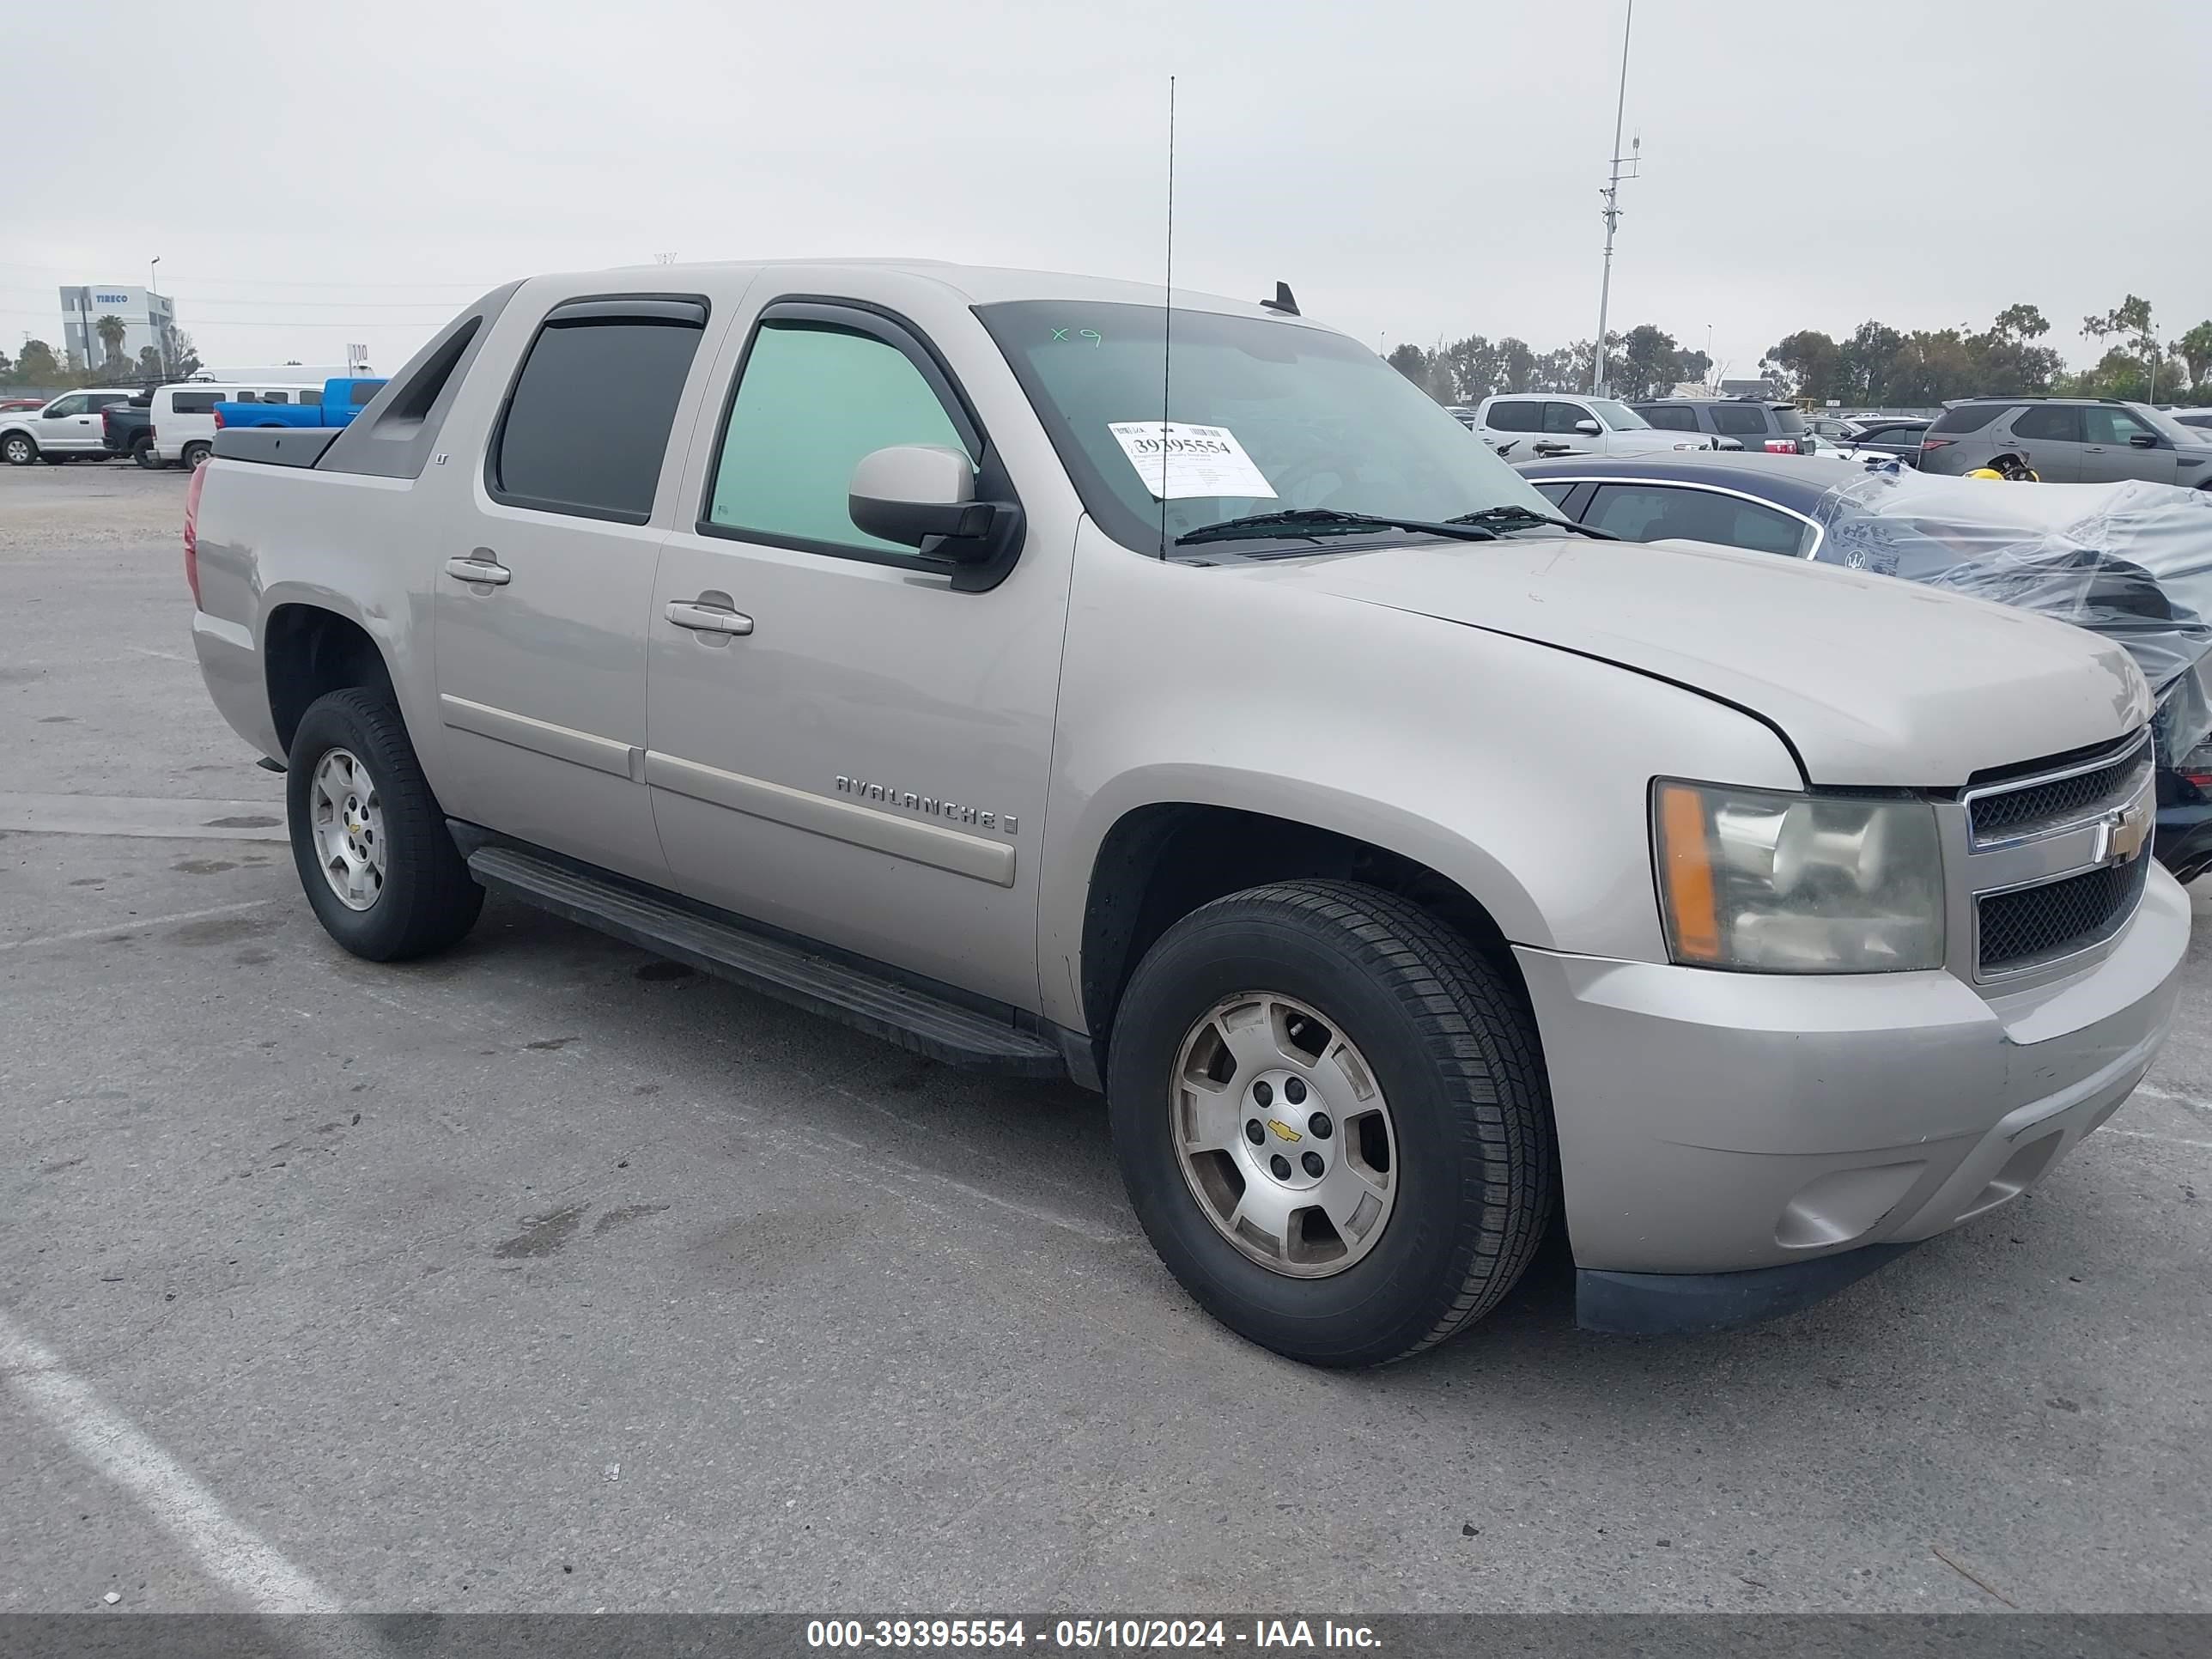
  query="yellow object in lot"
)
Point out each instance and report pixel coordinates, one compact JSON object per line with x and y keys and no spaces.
{"x":2017,"y":475}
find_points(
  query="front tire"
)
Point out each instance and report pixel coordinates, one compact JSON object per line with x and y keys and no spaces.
{"x":371,"y":844}
{"x":19,"y":449}
{"x":1360,"y":1036}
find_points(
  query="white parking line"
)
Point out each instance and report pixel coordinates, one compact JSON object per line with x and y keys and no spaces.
{"x":130,"y":924}
{"x":230,"y":1552}
{"x":136,"y":815}
{"x":2149,"y":1134}
{"x":2195,"y":1102}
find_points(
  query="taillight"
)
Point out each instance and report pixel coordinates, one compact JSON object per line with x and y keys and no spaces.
{"x":1937,"y":443}
{"x":193,"y":531}
{"x":1781,"y":445}
{"x":107,"y":423}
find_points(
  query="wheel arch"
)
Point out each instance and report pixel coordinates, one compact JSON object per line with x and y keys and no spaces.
{"x":1160,"y":860}
{"x":308,"y":650}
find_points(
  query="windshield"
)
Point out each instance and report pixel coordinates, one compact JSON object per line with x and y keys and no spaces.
{"x":1619,"y":417}
{"x":1265,"y":415}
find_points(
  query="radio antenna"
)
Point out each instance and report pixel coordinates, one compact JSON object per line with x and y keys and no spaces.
{"x":1167,"y":326}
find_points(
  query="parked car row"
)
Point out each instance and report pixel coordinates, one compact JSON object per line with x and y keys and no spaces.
{"x":169,"y":425}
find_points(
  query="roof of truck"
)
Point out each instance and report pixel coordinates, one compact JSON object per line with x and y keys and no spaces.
{"x":978,"y":284}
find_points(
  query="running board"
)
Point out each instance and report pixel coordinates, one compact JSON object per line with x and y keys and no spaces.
{"x":882,"y":1007}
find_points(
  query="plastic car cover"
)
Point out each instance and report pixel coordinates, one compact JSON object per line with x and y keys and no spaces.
{"x":2132,"y":561}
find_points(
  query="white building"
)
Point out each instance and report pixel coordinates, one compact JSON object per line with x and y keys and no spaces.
{"x":148,"y":320}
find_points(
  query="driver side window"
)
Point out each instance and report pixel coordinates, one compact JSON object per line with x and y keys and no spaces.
{"x":76,"y":403}
{"x":1560,"y":418}
{"x":813,"y":400}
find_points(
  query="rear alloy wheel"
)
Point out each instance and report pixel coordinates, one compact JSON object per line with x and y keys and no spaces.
{"x":373,"y":853}
{"x":1330,"y":1113}
{"x":18,"y":449}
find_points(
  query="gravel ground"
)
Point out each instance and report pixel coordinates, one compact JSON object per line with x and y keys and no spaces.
{"x":544,"y":1276}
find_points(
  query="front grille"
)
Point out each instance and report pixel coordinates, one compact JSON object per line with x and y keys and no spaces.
{"x":2031,"y":924}
{"x":2006,"y":814}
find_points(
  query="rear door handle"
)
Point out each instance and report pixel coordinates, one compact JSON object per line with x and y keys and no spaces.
{"x":480,"y":567}
{"x":704,"y":618}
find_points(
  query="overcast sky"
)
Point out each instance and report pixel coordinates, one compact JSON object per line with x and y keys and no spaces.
{"x":315,"y":174}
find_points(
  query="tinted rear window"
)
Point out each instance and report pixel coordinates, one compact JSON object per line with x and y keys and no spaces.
{"x":2060,"y":424}
{"x":1966,"y":417}
{"x":1790,"y":421}
{"x":1739,"y":420}
{"x":193,"y":403}
{"x":1515,"y":417}
{"x":1674,"y":420}
{"x":588,"y":423}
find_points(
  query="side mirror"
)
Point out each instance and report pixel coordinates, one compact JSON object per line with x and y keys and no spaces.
{"x":919,"y":493}
{"x":2143,"y":441}
{"x":1588,"y":429}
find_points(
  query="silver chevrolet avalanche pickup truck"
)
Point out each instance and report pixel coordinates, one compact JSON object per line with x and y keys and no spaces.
{"x":1402,"y":864}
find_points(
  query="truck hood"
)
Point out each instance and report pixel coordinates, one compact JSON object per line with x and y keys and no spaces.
{"x":1873,"y":681}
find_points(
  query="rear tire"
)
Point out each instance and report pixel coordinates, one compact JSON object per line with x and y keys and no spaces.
{"x":194,"y":454}
{"x":396,"y":887}
{"x":142,"y":452}
{"x":19,"y":449}
{"x":1449,"y":1052}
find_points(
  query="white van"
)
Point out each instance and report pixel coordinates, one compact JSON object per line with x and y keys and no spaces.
{"x":184,"y":415}
{"x":1528,"y":426}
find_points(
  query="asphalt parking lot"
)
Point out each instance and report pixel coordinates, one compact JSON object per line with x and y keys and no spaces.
{"x":545,"y":1275}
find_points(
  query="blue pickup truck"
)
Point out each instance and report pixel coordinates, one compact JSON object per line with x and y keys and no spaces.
{"x":341,"y":398}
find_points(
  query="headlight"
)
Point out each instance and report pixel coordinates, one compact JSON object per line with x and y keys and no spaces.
{"x":1797,"y":883}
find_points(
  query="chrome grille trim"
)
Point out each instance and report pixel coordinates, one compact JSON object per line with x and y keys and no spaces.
{"x":2025,"y":895}
{"x":2025,"y":809}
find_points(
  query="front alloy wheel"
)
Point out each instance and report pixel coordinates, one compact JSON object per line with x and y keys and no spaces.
{"x":1284,"y":1135}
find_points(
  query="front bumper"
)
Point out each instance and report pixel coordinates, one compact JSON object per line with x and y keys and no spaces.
{"x":1718,"y":1122}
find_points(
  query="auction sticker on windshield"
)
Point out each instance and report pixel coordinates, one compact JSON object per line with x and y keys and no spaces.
{"x":1177,"y":460}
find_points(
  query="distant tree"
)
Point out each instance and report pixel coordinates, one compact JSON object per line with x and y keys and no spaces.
{"x":112,"y":332}
{"x":1516,"y":363}
{"x":1472,"y":366}
{"x":184,"y":359}
{"x":7,"y":366}
{"x":2130,"y":322}
{"x":2005,"y":360}
{"x":2195,"y":350}
{"x":1648,"y":356}
{"x":1807,"y":363}
{"x":1865,"y":363}
{"x":1410,"y":361}
{"x":38,"y":366}
{"x":150,"y":360}
{"x":1693,"y":366}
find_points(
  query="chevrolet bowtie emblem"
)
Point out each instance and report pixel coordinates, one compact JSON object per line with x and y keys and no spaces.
{"x":1283,"y":1130}
{"x":2121,"y":834}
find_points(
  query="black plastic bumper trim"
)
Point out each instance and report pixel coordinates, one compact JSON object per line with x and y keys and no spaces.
{"x":1683,"y":1304}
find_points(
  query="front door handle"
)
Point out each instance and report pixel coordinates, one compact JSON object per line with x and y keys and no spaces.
{"x":480,"y":567}
{"x":702,"y":617}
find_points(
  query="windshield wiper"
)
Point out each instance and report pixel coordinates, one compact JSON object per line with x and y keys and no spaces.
{"x":1523,"y":515}
{"x":1327,"y":521}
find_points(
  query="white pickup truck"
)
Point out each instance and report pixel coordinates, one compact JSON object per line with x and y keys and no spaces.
{"x":1403,"y":862}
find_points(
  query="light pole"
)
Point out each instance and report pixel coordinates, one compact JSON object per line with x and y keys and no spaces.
{"x":1612,"y":212}
{"x":153,"y":328}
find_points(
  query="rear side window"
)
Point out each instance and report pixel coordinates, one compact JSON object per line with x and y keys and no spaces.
{"x":1674,"y":420}
{"x":586,"y":425}
{"x":1651,"y":512}
{"x":2053,"y":423}
{"x":275,"y":396}
{"x":1515,"y":417}
{"x":246,"y":396}
{"x":1789,"y":421}
{"x":193,"y":403}
{"x":1966,"y":417}
{"x":1739,"y":420}
{"x":813,"y":400}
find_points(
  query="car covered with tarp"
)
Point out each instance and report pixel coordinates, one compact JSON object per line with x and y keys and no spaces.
{"x":2130,"y":561}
